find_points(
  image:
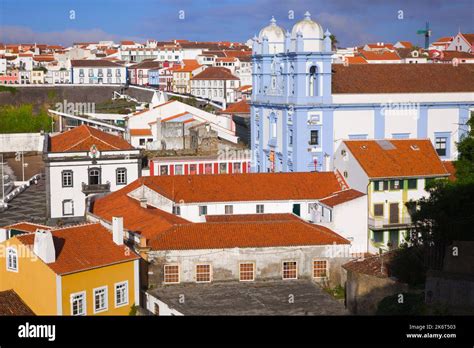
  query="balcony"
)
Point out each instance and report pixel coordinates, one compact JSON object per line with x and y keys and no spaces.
{"x":95,"y":188}
{"x":379,"y":223}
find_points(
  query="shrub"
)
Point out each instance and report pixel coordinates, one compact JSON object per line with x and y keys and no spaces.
{"x":413,"y":304}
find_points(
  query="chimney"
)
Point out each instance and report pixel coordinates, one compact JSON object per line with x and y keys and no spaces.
{"x":44,"y":246}
{"x":117,"y":230}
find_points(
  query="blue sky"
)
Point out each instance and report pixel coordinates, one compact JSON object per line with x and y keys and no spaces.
{"x":353,"y":22}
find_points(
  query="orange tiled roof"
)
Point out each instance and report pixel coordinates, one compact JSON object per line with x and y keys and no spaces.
{"x":407,"y":158}
{"x":241,"y":107}
{"x":245,"y":234}
{"x":215,"y":73}
{"x":244,"y":187}
{"x":12,"y":304}
{"x":451,"y":169}
{"x":140,"y":132}
{"x":251,"y":217}
{"x":356,"y":60}
{"x":27,"y":227}
{"x":380,"y":55}
{"x":83,"y":247}
{"x":83,"y":137}
{"x":341,"y":197}
{"x":371,"y":265}
{"x":148,"y":222}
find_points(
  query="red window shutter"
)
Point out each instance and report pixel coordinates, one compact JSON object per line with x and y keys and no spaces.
{"x":186,"y":169}
{"x":216,"y":168}
{"x":171,"y":169}
{"x":244,"y":167}
{"x":201,"y":168}
{"x":152,"y":167}
{"x":230,"y":167}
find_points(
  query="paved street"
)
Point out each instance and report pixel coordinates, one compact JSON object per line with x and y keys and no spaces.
{"x":30,"y":205}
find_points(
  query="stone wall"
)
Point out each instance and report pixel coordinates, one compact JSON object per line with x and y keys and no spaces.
{"x":364,"y":292}
{"x":26,"y":142}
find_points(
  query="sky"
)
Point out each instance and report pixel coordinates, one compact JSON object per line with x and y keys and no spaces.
{"x":354,"y":22}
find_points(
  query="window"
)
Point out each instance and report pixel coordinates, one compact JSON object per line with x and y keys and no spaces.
{"x":440,"y":145}
{"x":142,"y":142}
{"x":176,"y":210}
{"x":178,"y":169}
{"x":378,"y":236}
{"x":290,"y":270}
{"x":378,"y":209}
{"x":229,"y":209}
{"x":314,"y":140}
{"x":121,"y":294}
{"x":192,"y":169}
{"x":395,"y":184}
{"x":290,"y":137}
{"x":100,"y":299}
{"x":246,"y":272}
{"x":320,"y":269}
{"x":260,"y":208}
{"x":203,"y":273}
{"x":67,"y":178}
{"x":429,"y":182}
{"x":121,"y":176}
{"x":68,"y":207}
{"x":171,"y":274}
{"x":412,"y":184}
{"x":312,"y":82}
{"x":94,"y":176}
{"x":91,"y":73}
{"x":378,"y":185}
{"x":203,"y":210}
{"x":78,"y":303}
{"x":222,"y":168}
{"x":164,"y":170}
{"x":236,"y":167}
{"x":208,"y":168}
{"x":12,"y":260}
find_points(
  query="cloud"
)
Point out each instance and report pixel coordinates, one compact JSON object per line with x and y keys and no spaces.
{"x":16,"y":34}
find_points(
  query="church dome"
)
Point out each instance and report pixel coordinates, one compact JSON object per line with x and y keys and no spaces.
{"x":308,"y":28}
{"x":273,"y":32}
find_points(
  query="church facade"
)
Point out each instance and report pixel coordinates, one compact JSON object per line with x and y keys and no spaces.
{"x":303,"y":105}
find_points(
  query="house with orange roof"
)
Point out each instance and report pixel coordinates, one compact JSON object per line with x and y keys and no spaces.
{"x":84,"y":162}
{"x":182,"y":77}
{"x":19,"y":228}
{"x":403,"y":44}
{"x":380,"y":56}
{"x":216,"y":84}
{"x":77,"y":270}
{"x":441,"y":44}
{"x":394,"y":173}
{"x":462,"y":42}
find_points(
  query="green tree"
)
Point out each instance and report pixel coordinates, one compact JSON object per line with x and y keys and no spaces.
{"x":334,"y":42}
{"x":465,"y":163}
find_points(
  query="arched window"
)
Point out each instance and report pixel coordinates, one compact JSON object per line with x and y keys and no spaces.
{"x":313,"y":81}
{"x":94,"y":176}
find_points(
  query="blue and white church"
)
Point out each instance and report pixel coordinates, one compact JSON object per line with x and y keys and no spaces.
{"x":303,"y":105}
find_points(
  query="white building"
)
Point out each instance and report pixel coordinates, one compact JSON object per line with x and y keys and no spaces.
{"x":462,"y":42}
{"x":216,"y":84}
{"x":82,"y":162}
{"x":391,"y":173}
{"x":97,"y":72}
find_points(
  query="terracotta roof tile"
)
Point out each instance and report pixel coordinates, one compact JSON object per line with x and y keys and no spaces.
{"x":251,"y":217}
{"x":240,"y":107}
{"x":407,"y":158}
{"x":78,"y":63}
{"x":27,"y":227}
{"x":341,"y":197}
{"x":83,"y":247}
{"x":371,"y":265}
{"x":245,"y":234}
{"x":12,"y":304}
{"x":140,"y":132}
{"x":83,"y":137}
{"x":451,"y":169}
{"x":380,"y":55}
{"x":244,"y":187}
{"x":215,"y":73}
{"x":402,"y":78}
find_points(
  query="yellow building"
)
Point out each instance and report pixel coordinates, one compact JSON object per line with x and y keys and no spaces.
{"x":79,"y":270}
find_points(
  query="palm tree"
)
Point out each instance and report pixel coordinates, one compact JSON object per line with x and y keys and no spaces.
{"x":334,"y":42}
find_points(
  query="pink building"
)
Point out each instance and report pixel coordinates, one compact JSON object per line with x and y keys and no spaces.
{"x":10,"y":77}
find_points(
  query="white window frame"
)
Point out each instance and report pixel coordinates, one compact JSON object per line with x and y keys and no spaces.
{"x":118,"y":305}
{"x":228,"y":209}
{"x":14,"y":257}
{"x":196,"y":273}
{"x":253,"y":271}
{"x":327,"y":269}
{"x":283,"y":269}
{"x":84,"y":297}
{"x":164,"y":273}
{"x":260,"y":211}
{"x":201,"y":210}
{"x":106,"y":299}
